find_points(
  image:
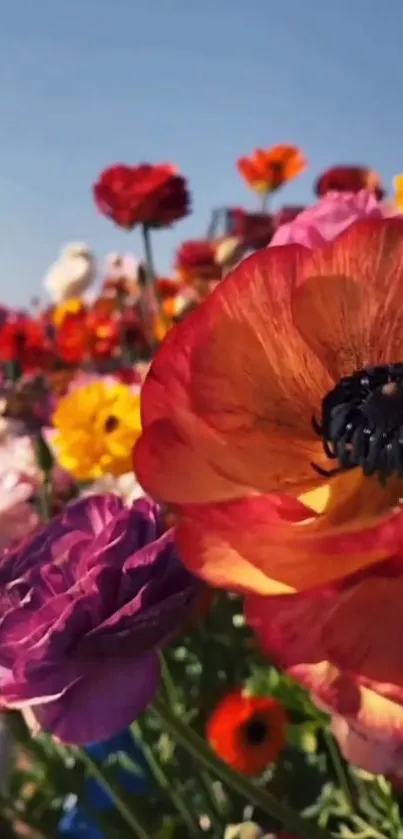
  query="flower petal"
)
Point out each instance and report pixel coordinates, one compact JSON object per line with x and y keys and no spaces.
{"x":346,"y":696}
{"x":247,"y":412}
{"x":348,"y":306}
{"x":111,"y":695}
{"x":286,"y":544}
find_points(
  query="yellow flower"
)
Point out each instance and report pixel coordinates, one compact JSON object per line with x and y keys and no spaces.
{"x":96,"y":427}
{"x":73,"y":306}
{"x":398,"y":188}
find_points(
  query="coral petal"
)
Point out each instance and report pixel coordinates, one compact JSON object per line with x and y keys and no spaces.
{"x":293,"y":552}
{"x":238,"y":384}
{"x":348,"y":306}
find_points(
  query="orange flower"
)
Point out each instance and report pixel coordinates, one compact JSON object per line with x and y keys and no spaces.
{"x":227,"y":410}
{"x":73,"y":306}
{"x":71,"y":337}
{"x":248,"y":732}
{"x":267,"y":169}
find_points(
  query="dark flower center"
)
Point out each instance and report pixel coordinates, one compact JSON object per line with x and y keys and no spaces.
{"x":256,"y":731}
{"x":362,"y":422}
{"x":111,"y":424}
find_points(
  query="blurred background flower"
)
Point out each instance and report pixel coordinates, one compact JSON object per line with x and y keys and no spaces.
{"x":349,"y":179}
{"x":248,"y":732}
{"x":72,"y":274}
{"x":95,"y":428}
{"x":151,"y":195}
{"x":95,"y":594}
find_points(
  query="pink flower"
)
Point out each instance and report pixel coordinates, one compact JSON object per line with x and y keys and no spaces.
{"x":343,"y":643}
{"x":19,"y":479}
{"x":324,"y":221}
{"x":367,"y":716}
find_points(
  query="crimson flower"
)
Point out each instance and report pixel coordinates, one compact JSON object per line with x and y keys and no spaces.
{"x":349,"y":179}
{"x":196,"y":259}
{"x":253,"y":229}
{"x":155,"y":196}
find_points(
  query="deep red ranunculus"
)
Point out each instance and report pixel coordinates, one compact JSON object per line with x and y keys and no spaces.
{"x":349,"y":179}
{"x":253,"y":229}
{"x":196,"y":259}
{"x":154,"y":196}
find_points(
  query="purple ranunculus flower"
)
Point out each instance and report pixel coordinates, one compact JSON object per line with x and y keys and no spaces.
{"x":85,"y":604}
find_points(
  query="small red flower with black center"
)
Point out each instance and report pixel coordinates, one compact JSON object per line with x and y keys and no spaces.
{"x":248,"y":732}
{"x":154,"y":196}
{"x":349,"y":179}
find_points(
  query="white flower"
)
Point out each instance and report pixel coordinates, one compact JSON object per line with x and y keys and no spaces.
{"x":72,"y":273}
{"x":118,"y":265}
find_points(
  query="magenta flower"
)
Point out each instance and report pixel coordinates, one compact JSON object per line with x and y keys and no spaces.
{"x":85,"y":604}
{"x":332,"y":214}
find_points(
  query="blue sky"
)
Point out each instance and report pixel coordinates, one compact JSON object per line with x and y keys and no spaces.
{"x":86,"y":83}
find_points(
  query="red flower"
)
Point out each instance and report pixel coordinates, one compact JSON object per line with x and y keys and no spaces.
{"x":197,"y":260}
{"x":25,"y":340}
{"x":253,"y":229}
{"x":349,"y":179}
{"x":102,"y":334}
{"x":248,"y":732}
{"x":167,"y":288}
{"x":155,"y":196}
{"x":71,"y":338}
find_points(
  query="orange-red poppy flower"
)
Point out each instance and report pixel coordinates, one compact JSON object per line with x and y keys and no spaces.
{"x":349,"y":179}
{"x":154,"y":196}
{"x":267,"y":169}
{"x":248,"y":732}
{"x":287,"y":381}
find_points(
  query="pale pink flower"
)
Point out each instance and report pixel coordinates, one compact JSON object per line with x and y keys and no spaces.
{"x":19,"y":479}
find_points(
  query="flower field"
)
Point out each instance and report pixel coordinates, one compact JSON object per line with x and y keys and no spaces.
{"x":201,"y":524}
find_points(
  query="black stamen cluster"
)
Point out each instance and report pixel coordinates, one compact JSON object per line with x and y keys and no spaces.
{"x":362,"y":422}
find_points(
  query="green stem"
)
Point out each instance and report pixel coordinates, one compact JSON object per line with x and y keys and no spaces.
{"x":204,"y":781}
{"x":129,"y":817}
{"x":265,"y":202}
{"x":151,"y":274}
{"x":337,"y":764}
{"x":169,"y":684}
{"x":195,"y":746}
{"x":163,"y":781}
